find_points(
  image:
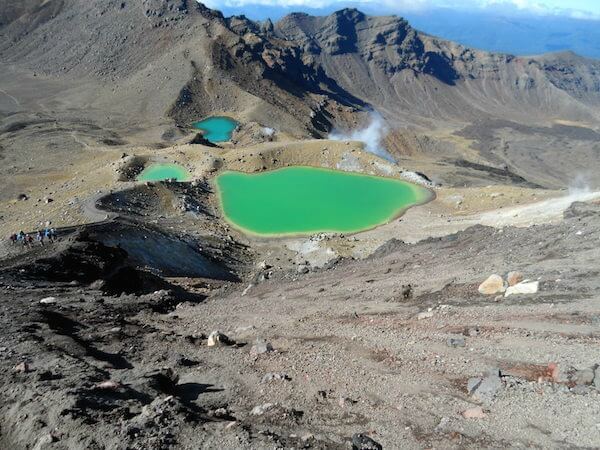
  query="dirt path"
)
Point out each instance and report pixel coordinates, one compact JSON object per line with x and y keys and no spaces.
{"x":91,"y":211}
{"x":14,"y":99}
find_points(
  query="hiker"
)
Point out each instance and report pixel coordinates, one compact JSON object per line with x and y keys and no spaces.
{"x":21,"y":236}
{"x":48,"y":234}
{"x":27,"y":240}
{"x":13,"y":238}
{"x":40,"y":237}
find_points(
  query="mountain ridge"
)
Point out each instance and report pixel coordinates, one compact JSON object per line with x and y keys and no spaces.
{"x":175,"y":61}
{"x":299,"y":47}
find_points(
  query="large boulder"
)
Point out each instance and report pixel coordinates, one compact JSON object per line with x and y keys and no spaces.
{"x":526,"y":287}
{"x":492,"y":286}
{"x":514,"y":278}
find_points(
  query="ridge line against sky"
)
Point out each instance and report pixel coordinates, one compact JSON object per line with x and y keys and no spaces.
{"x":578,"y":9}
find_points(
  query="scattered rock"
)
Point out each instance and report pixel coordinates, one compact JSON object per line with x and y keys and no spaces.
{"x":275,"y":376}
{"x":98,"y":285}
{"x":48,"y":301}
{"x":442,"y":427}
{"x":553,"y":372}
{"x":250,"y":286}
{"x":407,"y":292}
{"x":474,"y":413}
{"x":363,"y":442}
{"x":303,"y":269}
{"x":583,"y":377}
{"x":492,"y":286}
{"x":216,"y":338}
{"x":514,"y":278}
{"x":425,"y":315}
{"x":263,"y":265}
{"x":346,"y":401}
{"x":261,"y":346}
{"x":471,"y":331}
{"x":185,"y":362}
{"x":45,"y":441}
{"x":261,"y":409}
{"x":22,"y":367}
{"x":485,"y":388}
{"x":157,"y":297}
{"x":219,"y":413}
{"x":525,"y":287}
{"x":109,"y":385}
{"x":456,"y":342}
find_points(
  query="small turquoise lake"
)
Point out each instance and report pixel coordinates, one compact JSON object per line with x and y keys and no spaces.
{"x":217,"y":129}
{"x":162,"y":172}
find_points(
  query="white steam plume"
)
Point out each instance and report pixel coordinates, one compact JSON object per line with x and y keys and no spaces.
{"x":372,"y":136}
{"x":579,"y":185}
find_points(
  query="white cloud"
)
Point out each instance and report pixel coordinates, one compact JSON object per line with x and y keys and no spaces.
{"x":545,"y":7}
{"x":396,"y":4}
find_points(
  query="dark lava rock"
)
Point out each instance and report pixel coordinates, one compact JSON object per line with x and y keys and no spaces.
{"x":363,"y":442}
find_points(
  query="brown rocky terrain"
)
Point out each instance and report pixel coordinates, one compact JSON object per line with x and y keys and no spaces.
{"x":150,"y":323}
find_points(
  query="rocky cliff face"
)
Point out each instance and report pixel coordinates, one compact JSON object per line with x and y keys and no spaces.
{"x":388,"y":42}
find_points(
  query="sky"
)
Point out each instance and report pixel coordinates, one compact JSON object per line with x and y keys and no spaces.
{"x":581,"y":9}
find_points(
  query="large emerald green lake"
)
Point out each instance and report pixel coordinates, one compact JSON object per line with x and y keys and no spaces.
{"x":217,"y":129}
{"x":307,"y":200}
{"x":162,"y":172}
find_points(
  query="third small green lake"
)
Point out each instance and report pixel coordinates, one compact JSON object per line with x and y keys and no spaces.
{"x":162,"y":172}
{"x":306,"y":200}
{"x":217,"y":129}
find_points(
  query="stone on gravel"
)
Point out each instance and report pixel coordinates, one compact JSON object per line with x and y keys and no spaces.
{"x":303,"y":269}
{"x":583,"y":377}
{"x":261,"y":409}
{"x":514,"y":278}
{"x":98,"y":285}
{"x":274,"y":376}
{"x":492,"y":286}
{"x":48,"y":301}
{"x":157,"y":296}
{"x":263,"y":265}
{"x":456,"y":342}
{"x":109,"y":385}
{"x":485,"y":388}
{"x":363,"y":442}
{"x":22,"y":367}
{"x":425,"y":315}
{"x":471,"y":331}
{"x":474,"y":413}
{"x":261,"y":346}
{"x":597,"y":377}
{"x":45,"y":441}
{"x":216,"y":338}
{"x":526,"y":287}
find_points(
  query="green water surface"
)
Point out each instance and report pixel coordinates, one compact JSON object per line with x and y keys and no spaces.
{"x":162,"y":172}
{"x":217,"y":129}
{"x":306,"y":200}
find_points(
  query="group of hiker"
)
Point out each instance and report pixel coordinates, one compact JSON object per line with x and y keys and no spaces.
{"x":27,"y":239}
